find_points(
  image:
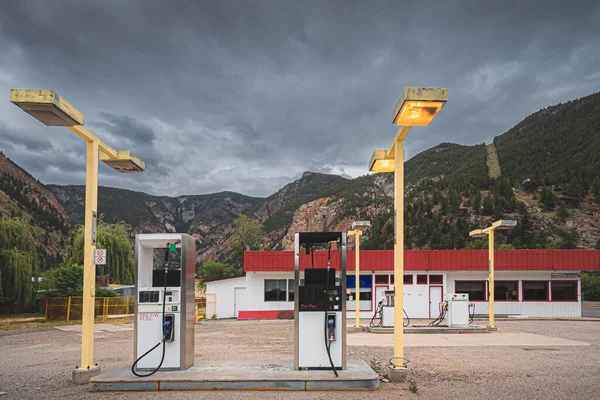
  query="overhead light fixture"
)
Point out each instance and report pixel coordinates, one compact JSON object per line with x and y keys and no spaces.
{"x":418,"y":106}
{"x":380,"y":162}
{"x":360,"y":225}
{"x":47,"y":107}
{"x":477,"y":233}
{"x":505,"y":224}
{"x":125,"y":162}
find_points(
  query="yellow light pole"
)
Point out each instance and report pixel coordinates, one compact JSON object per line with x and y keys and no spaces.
{"x":50,"y":109}
{"x":503,"y":224}
{"x":357,"y":228}
{"x":416,"y":107}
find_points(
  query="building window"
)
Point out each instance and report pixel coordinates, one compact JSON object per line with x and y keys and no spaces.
{"x":506,"y":291}
{"x":535,"y":291}
{"x":391,"y":279}
{"x":564,"y":290}
{"x":365,"y":292}
{"x":436,"y":279}
{"x":408,"y":279}
{"x":475,"y":289}
{"x":381,"y":279}
{"x":291,"y":290}
{"x":275,"y":289}
{"x":421,"y":279}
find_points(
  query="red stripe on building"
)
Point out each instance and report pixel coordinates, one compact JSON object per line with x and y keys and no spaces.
{"x":431,"y":260}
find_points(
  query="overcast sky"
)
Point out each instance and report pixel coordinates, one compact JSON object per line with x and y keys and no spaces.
{"x":246,"y":95}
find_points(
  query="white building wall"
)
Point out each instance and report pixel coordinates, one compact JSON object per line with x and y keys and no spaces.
{"x":255,"y":291}
{"x":224,"y":295}
{"x":416,"y":297}
{"x":551,"y":309}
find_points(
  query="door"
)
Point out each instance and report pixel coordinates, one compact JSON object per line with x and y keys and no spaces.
{"x":239,"y":300}
{"x":435,"y":298}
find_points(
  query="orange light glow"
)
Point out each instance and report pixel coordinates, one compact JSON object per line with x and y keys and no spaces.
{"x":418,"y":113}
{"x":383,"y":166}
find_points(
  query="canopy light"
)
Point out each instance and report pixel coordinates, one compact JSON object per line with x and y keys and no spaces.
{"x":380,"y":162}
{"x":47,"y":107}
{"x":418,"y":106}
{"x":505,"y":224}
{"x":125,"y":162}
{"x":360,"y":225}
{"x":477,"y":233}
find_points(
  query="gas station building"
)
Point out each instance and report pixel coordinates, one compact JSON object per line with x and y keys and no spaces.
{"x":528,"y":283}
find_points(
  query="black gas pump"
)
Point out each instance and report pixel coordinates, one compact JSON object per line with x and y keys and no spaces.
{"x":321,"y":302}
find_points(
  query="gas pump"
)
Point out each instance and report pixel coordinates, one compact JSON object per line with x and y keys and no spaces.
{"x":320,"y":306}
{"x":164,"y":287}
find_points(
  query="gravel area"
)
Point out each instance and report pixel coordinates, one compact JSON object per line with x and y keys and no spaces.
{"x":38,"y":363}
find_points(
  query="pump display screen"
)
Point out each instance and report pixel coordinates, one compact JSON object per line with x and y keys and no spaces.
{"x":173,"y":278}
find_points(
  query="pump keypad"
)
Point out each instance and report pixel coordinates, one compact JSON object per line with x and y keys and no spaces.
{"x":148,"y":296}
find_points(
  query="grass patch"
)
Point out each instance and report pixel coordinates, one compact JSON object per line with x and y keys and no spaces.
{"x":29,"y":321}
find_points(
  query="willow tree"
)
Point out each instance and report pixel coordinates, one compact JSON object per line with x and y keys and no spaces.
{"x":18,"y":261}
{"x":119,"y":252}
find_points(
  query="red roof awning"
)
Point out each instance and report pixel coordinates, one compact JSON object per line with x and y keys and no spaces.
{"x":432,"y":260}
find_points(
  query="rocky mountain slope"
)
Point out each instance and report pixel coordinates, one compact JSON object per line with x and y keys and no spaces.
{"x":22,"y":196}
{"x":208,"y":218}
{"x":544,"y":172}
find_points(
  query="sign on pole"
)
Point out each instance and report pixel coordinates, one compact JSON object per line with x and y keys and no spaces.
{"x":94,"y":222}
{"x":100,"y":256}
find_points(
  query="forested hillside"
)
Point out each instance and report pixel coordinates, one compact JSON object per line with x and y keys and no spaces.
{"x":544,"y":173}
{"x":24,"y":197}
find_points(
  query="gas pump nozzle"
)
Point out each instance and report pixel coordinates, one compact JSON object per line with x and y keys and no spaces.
{"x":331,"y":327}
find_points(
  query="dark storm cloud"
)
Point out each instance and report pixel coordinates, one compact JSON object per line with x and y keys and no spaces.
{"x":246,"y":95}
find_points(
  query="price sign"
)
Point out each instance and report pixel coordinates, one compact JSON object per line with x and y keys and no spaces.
{"x":100,"y":256}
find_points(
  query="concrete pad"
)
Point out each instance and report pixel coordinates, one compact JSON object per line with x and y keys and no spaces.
{"x":82,"y":376}
{"x":98,"y":328}
{"x":499,"y":338}
{"x":411,"y":330}
{"x":398,"y":374}
{"x":240,"y":375}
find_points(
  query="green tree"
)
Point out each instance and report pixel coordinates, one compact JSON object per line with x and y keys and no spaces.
{"x":477,"y":203}
{"x":548,"y":198}
{"x":247,"y":234}
{"x":67,"y":280}
{"x":598,"y":245}
{"x":590,"y":286}
{"x":488,"y":205}
{"x":18,"y":261}
{"x":569,"y":239}
{"x":563,"y":212}
{"x":120,"y":264}
{"x":216,"y":270}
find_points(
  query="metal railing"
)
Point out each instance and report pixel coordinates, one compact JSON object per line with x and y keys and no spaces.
{"x":206,"y":306}
{"x":119,"y":309}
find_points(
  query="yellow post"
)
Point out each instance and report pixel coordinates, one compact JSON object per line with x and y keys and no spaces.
{"x":491,"y":324}
{"x":69,"y":308}
{"x":105,"y":309}
{"x":357,"y":234}
{"x":399,"y":254}
{"x":89,"y":269}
